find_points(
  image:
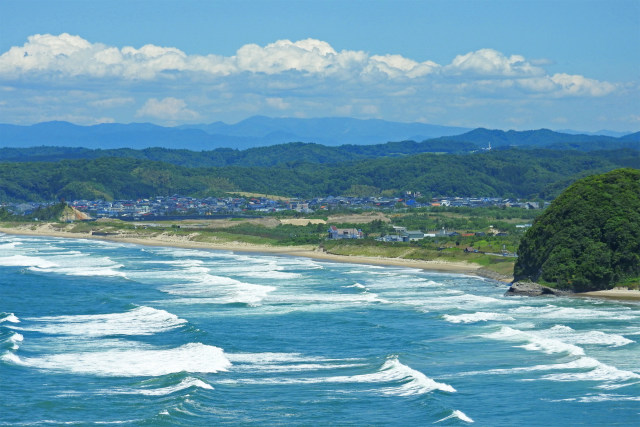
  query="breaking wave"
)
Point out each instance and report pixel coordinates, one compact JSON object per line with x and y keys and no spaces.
{"x":193,"y":357}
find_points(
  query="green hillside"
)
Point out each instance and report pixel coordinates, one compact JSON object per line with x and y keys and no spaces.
{"x":498,"y":173}
{"x":589,"y":238}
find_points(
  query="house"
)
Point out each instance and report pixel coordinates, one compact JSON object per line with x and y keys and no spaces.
{"x":344,"y":233}
{"x":412,"y":235}
{"x":390,"y":238}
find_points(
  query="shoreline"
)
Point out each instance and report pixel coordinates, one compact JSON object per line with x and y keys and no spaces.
{"x":312,"y":252}
{"x":308,"y":251}
{"x":614,"y":294}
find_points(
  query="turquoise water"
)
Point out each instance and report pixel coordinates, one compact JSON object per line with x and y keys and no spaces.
{"x":95,"y":332}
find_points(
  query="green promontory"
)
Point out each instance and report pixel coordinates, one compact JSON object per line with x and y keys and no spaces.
{"x":589,"y":238}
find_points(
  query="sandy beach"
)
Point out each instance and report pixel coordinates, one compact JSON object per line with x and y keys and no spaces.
{"x":308,"y":251}
{"x":617,"y":294}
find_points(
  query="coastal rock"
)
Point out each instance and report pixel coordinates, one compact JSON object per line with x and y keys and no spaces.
{"x":533,"y":290}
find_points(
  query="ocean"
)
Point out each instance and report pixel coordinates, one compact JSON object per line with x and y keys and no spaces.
{"x":95,"y":332}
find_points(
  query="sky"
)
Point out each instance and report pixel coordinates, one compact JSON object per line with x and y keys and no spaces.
{"x":500,"y":64}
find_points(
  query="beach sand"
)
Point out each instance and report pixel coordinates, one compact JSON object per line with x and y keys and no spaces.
{"x":617,"y":294}
{"x":308,"y":251}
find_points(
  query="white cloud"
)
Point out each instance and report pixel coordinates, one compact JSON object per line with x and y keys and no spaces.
{"x":52,"y":73}
{"x":398,"y":66}
{"x":67,"y":55}
{"x":489,"y":62}
{"x":112,"y":102}
{"x":278,"y":103}
{"x":170,"y":109}
{"x":581,"y":86}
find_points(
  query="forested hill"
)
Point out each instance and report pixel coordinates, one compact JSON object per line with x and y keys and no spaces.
{"x":297,"y":152}
{"x":260,"y":156}
{"x":201,"y":146}
{"x":589,"y":238}
{"x":543,"y":138}
{"x":500,"y":173}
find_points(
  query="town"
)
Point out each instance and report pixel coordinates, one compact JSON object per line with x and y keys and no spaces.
{"x":177,"y":206}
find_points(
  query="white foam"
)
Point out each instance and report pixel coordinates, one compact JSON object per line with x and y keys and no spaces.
{"x":266,"y":270}
{"x":139,"y":321}
{"x":602,"y":398}
{"x":15,"y":339}
{"x":298,"y":367}
{"x":221,"y":290}
{"x":535,"y":341}
{"x":26,"y":261}
{"x":462,"y":301}
{"x":602,"y":372}
{"x":554,"y":312}
{"x":419,"y":383}
{"x":568,"y":334}
{"x":617,"y":386}
{"x":80,"y":264}
{"x":580,"y":369}
{"x":186,"y":383}
{"x":356,"y":285}
{"x":456,"y":414}
{"x":270,"y":358}
{"x":479,"y":316}
{"x":191,"y":253}
{"x":12,"y":318}
{"x":392,"y":371}
{"x":580,"y":363}
{"x":194,"y":357}
{"x":285,"y":362}
{"x":316,"y":300}
{"x":10,"y":245}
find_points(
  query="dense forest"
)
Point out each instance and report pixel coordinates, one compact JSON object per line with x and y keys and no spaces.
{"x":281,"y":154}
{"x":589,"y":238}
{"x":525,"y":173}
{"x":258,"y":156}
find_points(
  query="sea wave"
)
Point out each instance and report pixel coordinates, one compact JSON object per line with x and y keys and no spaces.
{"x":221,"y":290}
{"x":550,"y":311}
{"x":193,"y":357}
{"x":581,"y":369}
{"x":568,"y":334}
{"x":26,"y":261}
{"x":456,"y":414}
{"x":80,"y":264}
{"x":185,"y":384}
{"x":286,"y":362}
{"x":535,"y":341}
{"x":138,"y":321}
{"x":479,"y":316}
{"x":412,"y":382}
{"x":602,"y":397}
{"x":9,"y":317}
{"x":356,"y":285}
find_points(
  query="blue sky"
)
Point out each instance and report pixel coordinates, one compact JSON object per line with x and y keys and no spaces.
{"x":516,"y":64}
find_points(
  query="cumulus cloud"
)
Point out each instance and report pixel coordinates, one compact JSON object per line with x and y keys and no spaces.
{"x":489,"y":62}
{"x":68,"y":55}
{"x":169,"y":109}
{"x":306,"y":77}
{"x":579,"y":85}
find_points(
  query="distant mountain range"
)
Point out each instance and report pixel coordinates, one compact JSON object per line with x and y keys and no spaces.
{"x":263,"y":131}
{"x":253,"y":132}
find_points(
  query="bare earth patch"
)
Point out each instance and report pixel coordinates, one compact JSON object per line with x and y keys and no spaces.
{"x":359,"y":219}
